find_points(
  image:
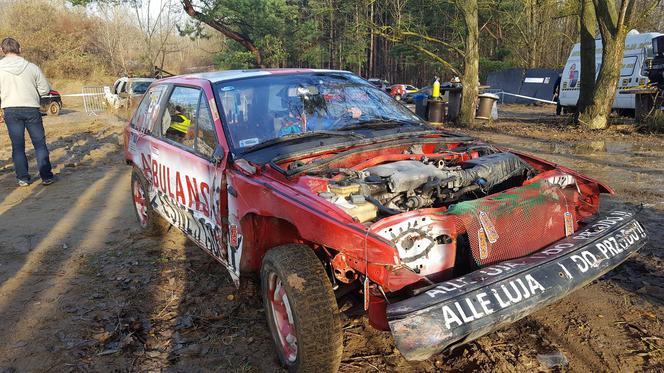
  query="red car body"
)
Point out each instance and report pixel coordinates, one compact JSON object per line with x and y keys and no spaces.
{"x":237,"y":208}
{"x":398,"y":90}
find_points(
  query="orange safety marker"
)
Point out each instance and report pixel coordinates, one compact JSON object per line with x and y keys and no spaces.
{"x":489,"y":228}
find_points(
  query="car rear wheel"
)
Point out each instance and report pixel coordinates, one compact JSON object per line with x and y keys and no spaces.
{"x":301,"y":310}
{"x":148,"y":219}
{"x":397,"y":97}
{"x":53,"y":109}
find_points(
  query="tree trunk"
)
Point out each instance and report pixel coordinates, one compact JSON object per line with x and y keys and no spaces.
{"x":596,"y":114}
{"x":588,"y":31}
{"x":613,"y":27}
{"x":471,"y":59}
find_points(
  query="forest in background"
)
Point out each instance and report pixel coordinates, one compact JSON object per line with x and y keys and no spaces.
{"x":386,"y":39}
{"x":91,"y":43}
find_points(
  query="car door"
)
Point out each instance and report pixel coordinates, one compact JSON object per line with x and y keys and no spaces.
{"x":122,"y":88}
{"x":187,"y":183}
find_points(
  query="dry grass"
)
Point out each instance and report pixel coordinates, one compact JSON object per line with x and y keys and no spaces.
{"x":653,"y":123}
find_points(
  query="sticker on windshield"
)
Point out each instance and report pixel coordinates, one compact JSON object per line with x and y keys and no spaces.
{"x":213,"y":107}
{"x":248,"y":142}
{"x":228,"y":88}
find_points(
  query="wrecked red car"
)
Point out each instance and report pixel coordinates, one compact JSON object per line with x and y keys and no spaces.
{"x":319,"y":182}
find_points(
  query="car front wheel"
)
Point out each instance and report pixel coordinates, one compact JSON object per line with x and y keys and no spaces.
{"x":148,"y":219}
{"x":301,"y":310}
{"x":53,"y":109}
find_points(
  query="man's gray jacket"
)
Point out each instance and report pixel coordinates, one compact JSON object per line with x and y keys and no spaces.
{"x":21,"y":83}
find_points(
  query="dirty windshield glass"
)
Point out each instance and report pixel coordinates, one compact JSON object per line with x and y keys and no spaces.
{"x":260,"y":109}
{"x":140,"y":87}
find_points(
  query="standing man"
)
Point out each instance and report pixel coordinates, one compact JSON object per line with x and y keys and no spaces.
{"x":21,"y":85}
{"x":556,"y":94}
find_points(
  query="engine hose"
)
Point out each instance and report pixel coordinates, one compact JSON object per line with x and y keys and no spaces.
{"x":455,"y":196}
{"x":382,"y":208}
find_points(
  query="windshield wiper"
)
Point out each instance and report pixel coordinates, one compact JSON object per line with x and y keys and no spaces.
{"x":378,"y":123}
{"x":300,"y":136}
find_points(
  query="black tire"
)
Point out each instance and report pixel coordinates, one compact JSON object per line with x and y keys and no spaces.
{"x":53,"y":109}
{"x":150,"y":222}
{"x":314,"y":311}
{"x":397,"y":97}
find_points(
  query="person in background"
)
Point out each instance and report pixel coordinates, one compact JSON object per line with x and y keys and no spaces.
{"x":21,"y":85}
{"x":180,"y":124}
{"x":556,"y":94}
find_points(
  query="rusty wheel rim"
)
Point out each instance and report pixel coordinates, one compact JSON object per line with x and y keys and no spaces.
{"x":282,"y":317}
{"x":140,"y":204}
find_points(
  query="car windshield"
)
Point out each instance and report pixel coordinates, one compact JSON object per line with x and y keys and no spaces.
{"x":260,"y":109}
{"x":140,"y":86}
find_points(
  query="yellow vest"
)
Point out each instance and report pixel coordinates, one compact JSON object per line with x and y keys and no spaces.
{"x":181,"y":126}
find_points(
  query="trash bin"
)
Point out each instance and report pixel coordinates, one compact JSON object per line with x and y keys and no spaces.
{"x":436,"y":111}
{"x":454,"y":104}
{"x":487,"y":101}
{"x":420,"y":100}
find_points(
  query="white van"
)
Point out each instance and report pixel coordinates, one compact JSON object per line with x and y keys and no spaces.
{"x":637,"y":47}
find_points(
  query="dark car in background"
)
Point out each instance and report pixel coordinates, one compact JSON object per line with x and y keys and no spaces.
{"x":49,"y":104}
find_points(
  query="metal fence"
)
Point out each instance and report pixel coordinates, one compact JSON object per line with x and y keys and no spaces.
{"x":93,"y":100}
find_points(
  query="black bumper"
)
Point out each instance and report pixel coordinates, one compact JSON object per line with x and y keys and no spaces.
{"x":460,"y":310}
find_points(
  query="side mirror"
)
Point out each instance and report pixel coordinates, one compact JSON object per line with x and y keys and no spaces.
{"x":218,"y":155}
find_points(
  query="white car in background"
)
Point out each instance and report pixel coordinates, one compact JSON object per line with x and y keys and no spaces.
{"x":125,"y":88}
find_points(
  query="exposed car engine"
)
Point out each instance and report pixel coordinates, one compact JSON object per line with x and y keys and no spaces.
{"x":395,"y":187}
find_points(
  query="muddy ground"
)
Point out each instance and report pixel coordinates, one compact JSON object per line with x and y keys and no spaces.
{"x":82,"y":290}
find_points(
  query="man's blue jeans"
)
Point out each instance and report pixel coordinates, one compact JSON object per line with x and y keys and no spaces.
{"x":19,"y":119}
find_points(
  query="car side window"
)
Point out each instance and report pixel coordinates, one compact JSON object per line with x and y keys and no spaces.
{"x":145,"y":116}
{"x":206,"y":135}
{"x":179,"y":120}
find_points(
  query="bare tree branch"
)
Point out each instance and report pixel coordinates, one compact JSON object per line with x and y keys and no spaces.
{"x":243,"y":40}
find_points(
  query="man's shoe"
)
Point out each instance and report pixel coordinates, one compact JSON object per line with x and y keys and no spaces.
{"x":23,"y":183}
{"x":48,"y":181}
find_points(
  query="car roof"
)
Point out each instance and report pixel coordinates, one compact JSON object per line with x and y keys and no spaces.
{"x":135,"y":79}
{"x":225,"y":75}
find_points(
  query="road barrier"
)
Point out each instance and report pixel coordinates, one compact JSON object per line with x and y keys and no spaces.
{"x":500,"y":93}
{"x":93,"y":100}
